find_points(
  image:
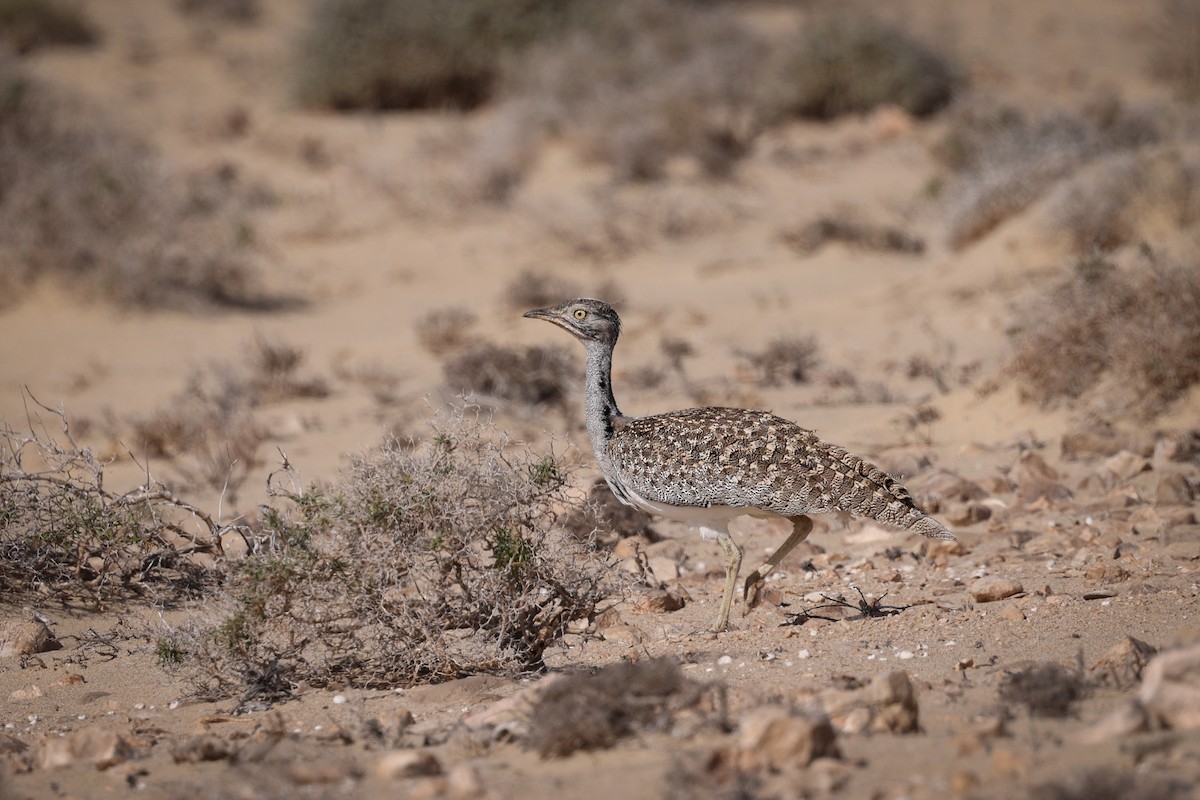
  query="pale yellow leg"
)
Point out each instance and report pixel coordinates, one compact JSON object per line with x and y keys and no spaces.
{"x":802,"y":525}
{"x":733,"y":565}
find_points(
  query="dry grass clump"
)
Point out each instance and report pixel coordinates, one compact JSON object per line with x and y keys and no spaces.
{"x":645,"y":82}
{"x":27,"y":25}
{"x":64,"y":536}
{"x":445,"y":329}
{"x":587,"y":711}
{"x":97,"y":209}
{"x":847,"y":63}
{"x":1005,"y":163}
{"x":406,"y":54}
{"x":538,"y":375}
{"x":1133,"y":332}
{"x":1175,"y":57}
{"x":422,"y":563}
{"x":789,"y":359}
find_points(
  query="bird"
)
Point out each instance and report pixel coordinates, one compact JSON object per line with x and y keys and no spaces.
{"x":706,"y":466}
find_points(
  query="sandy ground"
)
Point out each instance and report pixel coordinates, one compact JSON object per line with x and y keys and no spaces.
{"x":372,"y":258}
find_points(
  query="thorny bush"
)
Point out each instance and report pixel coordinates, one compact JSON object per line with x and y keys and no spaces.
{"x":425,"y":562}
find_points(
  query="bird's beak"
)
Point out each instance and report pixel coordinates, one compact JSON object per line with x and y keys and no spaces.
{"x":539,"y":313}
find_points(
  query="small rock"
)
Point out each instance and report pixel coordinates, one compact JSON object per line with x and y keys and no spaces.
{"x":234,"y":545}
{"x":1098,"y":594}
{"x":463,"y":782}
{"x":407,"y":764}
{"x":205,"y":747}
{"x":993,"y":587}
{"x":658,"y":601}
{"x":101,"y":747}
{"x":308,"y":772}
{"x":1122,"y":466}
{"x":25,"y":637}
{"x":70,"y":679}
{"x":1106,"y":573}
{"x":1173,"y":489}
{"x":968,"y":514}
{"x":938,"y":551}
{"x":390,"y":726}
{"x":1011,"y":613}
{"x":776,"y":739}
{"x":665,"y":569}
{"x":30,"y":692}
{"x":936,"y":489}
{"x":1170,"y":690}
{"x":887,"y":703}
{"x":1031,"y":468}
{"x":1124,"y":662}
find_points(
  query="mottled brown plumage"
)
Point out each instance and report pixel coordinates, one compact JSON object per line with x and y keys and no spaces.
{"x":708,"y":465}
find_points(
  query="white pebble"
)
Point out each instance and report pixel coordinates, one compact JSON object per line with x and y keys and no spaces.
{"x":174,"y":705}
{"x":904,"y":655}
{"x":723,"y":660}
{"x":803,"y":654}
{"x":339,"y":699}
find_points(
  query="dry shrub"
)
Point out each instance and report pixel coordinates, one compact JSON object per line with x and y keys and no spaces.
{"x":532,"y":289}
{"x":406,"y":54}
{"x":239,"y":11}
{"x":445,"y":329}
{"x":65,"y":536}
{"x":1113,"y":203}
{"x":808,"y":238}
{"x":1113,"y":784}
{"x":538,"y":375}
{"x":789,"y":359}
{"x":646,"y":81}
{"x":847,"y":63}
{"x":421,"y":564}
{"x":586,"y":711}
{"x":27,"y":25}
{"x":606,"y":519}
{"x":1175,"y":57}
{"x":209,"y":431}
{"x":1137,"y":331}
{"x":99,"y":210}
{"x":1045,"y":688}
{"x":1005,"y":163}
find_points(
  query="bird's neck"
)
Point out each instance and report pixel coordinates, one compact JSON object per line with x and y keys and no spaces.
{"x":600,"y":408}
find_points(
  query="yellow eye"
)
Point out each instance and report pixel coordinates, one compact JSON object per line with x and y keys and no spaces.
{"x":580,"y":313}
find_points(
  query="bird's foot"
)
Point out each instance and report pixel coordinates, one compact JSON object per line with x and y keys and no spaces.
{"x":752,"y":590}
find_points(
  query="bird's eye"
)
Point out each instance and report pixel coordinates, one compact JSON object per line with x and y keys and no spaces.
{"x":580,"y":313}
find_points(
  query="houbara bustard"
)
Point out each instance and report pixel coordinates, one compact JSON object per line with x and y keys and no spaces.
{"x":706,"y":466}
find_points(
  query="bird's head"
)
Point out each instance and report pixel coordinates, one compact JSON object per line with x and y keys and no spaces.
{"x":589,"y":320}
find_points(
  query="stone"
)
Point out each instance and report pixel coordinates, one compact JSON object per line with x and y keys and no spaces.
{"x":1173,"y":489}
{"x":11,"y":744}
{"x":658,"y":601}
{"x":937,"y":489}
{"x":994,"y":587}
{"x":407,"y":764}
{"x":665,"y":569}
{"x":234,"y":545}
{"x":1123,"y":663}
{"x":939,"y":551}
{"x":1011,"y":612}
{"x":101,"y":747}
{"x":321,"y":771}
{"x":776,"y":739}
{"x":205,"y":747}
{"x":23,"y":637}
{"x":463,"y":782}
{"x":70,"y":679}
{"x":30,"y":692}
{"x":1122,"y":466}
{"x":887,"y":703}
{"x":1170,"y":690}
{"x":968,"y":514}
{"x":1032,"y":468}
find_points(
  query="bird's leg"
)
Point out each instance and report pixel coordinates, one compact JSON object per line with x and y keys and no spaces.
{"x":733,"y":565}
{"x":802,"y":525}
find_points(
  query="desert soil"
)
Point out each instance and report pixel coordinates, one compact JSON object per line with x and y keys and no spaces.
{"x":1099,"y":551}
